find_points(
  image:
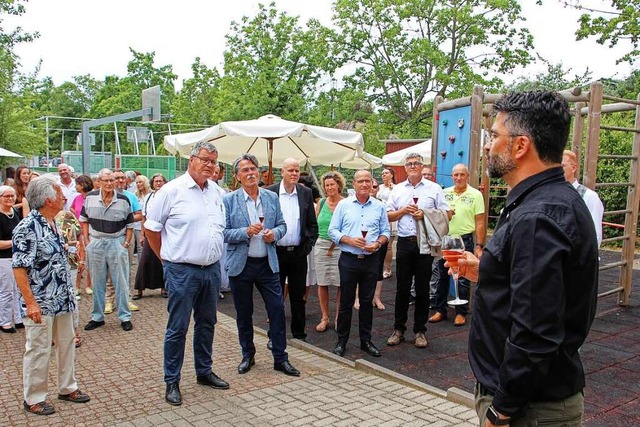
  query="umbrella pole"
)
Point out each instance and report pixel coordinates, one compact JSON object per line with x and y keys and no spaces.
{"x":270,"y":156}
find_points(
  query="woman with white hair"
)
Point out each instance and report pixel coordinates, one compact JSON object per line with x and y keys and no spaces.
{"x":10,"y":316}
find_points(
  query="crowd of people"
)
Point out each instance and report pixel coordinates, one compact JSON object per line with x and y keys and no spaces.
{"x":71,"y":235}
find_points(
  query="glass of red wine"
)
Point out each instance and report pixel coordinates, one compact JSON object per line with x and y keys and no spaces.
{"x":364,"y":232}
{"x":415,"y":199}
{"x":452,"y":251}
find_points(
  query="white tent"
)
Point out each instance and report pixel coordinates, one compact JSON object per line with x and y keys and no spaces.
{"x":272,"y":140}
{"x":7,"y":153}
{"x":397,"y":158}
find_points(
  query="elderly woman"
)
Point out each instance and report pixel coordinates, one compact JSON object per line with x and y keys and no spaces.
{"x":325,"y":251}
{"x":149,"y":274}
{"x":41,"y":270}
{"x":9,"y":296}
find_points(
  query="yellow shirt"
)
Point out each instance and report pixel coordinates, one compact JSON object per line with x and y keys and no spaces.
{"x":466,"y":205}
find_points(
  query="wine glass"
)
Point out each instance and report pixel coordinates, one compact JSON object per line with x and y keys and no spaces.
{"x":415,"y":199}
{"x":364,"y":231}
{"x":452,"y":250}
{"x":260,"y":213}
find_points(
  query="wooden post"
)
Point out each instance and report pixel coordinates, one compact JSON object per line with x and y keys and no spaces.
{"x":578,"y":131}
{"x":631,"y":219}
{"x":474,"y":137}
{"x":434,"y":132}
{"x":485,"y":181}
{"x":593,"y":136}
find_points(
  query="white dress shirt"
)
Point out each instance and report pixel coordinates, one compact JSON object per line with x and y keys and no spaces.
{"x":596,"y":209}
{"x":190,"y":219}
{"x":257,"y":245}
{"x":69,"y":191}
{"x":430,"y":196}
{"x":291,"y":214}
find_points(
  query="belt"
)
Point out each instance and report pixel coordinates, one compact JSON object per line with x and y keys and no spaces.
{"x":287,"y":248}
{"x":409,"y":238}
{"x":187,"y":264}
{"x":358,"y":256}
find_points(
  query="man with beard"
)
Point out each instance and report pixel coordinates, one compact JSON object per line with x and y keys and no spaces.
{"x":538,"y":276}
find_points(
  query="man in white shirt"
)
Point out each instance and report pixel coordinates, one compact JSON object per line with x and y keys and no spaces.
{"x":405,"y":205}
{"x":67,"y":184}
{"x":184,"y":229}
{"x":590,"y":197}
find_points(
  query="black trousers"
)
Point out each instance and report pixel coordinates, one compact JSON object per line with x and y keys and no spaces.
{"x":293,"y":270}
{"x":411,"y":267}
{"x":363,"y":274}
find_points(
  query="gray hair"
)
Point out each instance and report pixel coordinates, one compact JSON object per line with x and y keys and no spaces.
{"x":202,"y":145}
{"x":105,"y":171}
{"x":414,"y":155}
{"x":4,"y":188}
{"x":40,"y":190}
{"x":131,"y":175}
{"x":245,"y":156}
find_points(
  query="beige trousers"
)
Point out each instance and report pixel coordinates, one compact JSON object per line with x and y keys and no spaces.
{"x":35,"y":367}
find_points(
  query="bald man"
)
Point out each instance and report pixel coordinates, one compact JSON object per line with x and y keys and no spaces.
{"x":590,"y":197}
{"x":296,"y":202}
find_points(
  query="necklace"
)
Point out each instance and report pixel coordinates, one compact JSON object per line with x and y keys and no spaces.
{"x":9,"y":215}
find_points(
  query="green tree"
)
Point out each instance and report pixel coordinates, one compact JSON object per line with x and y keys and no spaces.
{"x":272,"y":65}
{"x":195,"y":102}
{"x":408,"y":51}
{"x":555,"y":78}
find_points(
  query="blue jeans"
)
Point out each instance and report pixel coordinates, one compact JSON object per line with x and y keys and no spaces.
{"x":257,"y":272}
{"x":190,"y":288}
{"x":108,"y":255}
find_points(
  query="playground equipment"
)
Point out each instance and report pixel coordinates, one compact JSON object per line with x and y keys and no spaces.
{"x":457,"y":138}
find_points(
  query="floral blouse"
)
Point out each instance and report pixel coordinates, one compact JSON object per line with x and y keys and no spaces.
{"x":40,"y":249}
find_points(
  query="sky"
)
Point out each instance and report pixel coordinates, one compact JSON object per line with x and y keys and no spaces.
{"x":80,"y":37}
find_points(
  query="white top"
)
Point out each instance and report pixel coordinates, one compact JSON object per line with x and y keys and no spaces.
{"x":69,"y":192}
{"x":190,"y":220}
{"x":291,"y":214}
{"x":596,"y":209}
{"x":257,"y":245}
{"x":384,"y":192}
{"x":430,"y":196}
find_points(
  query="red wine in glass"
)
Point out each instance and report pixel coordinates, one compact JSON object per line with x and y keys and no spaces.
{"x":415,"y":199}
{"x":364,"y":233}
{"x":261,"y":218}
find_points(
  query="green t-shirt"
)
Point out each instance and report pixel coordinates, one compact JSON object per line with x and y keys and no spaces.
{"x":324,"y":219}
{"x":466,"y":205}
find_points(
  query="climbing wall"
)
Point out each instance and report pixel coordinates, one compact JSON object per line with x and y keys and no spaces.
{"x":453,"y":142}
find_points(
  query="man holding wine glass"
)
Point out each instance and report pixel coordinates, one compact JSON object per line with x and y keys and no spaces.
{"x":538,"y":275}
{"x":468,"y":205}
{"x":359,"y":226}
{"x":406,"y":203}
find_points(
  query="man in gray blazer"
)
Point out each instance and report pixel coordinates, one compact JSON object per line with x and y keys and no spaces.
{"x":254,"y":222}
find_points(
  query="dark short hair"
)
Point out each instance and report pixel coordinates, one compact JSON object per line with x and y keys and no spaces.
{"x":543,"y":116}
{"x":85,"y":182}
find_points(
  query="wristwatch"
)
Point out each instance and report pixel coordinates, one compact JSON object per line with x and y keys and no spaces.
{"x":492,"y":416}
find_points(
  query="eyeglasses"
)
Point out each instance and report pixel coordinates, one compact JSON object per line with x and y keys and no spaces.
{"x":494,"y":135}
{"x":412,"y":164}
{"x":12,"y":196}
{"x":206,"y":161}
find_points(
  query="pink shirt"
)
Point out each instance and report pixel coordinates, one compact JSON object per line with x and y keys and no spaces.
{"x":77,"y":205}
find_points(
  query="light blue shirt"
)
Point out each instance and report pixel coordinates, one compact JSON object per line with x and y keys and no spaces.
{"x":351,"y":217}
{"x":257,"y":246}
{"x":135,"y":203}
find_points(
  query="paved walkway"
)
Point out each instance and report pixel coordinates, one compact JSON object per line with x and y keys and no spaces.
{"x":122,"y":371}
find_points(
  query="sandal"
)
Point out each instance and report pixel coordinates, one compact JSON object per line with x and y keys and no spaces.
{"x":78,"y":341}
{"x":386,"y":274}
{"x":323,"y":325}
{"x":40,"y":408}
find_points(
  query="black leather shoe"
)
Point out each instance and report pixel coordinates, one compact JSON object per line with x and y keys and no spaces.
{"x":246,"y":364}
{"x":287,"y":368}
{"x":269,"y":345}
{"x":93,"y":325}
{"x":369,"y":348}
{"x":340,"y":349}
{"x":127,"y":325}
{"x":172,"y":394}
{"x":214,"y":381}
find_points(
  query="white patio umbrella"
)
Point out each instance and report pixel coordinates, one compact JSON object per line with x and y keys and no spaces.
{"x":272,"y":140}
{"x":362,"y":161}
{"x":7,"y":153}
{"x":397,"y":158}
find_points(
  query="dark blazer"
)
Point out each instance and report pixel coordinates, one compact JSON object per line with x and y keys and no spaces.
{"x":235,"y":233}
{"x":308,"y":221}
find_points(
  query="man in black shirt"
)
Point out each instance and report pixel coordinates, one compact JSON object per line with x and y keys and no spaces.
{"x":538,"y":276}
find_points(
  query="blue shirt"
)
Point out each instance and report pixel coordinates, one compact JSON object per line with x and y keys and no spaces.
{"x":40,"y":250}
{"x":351,"y":217}
{"x":135,"y":203}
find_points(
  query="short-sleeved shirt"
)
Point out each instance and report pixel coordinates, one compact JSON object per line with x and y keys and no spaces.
{"x":466,"y":206}
{"x":107,"y":221}
{"x":40,"y":249}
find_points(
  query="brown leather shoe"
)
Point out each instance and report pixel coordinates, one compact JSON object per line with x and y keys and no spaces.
{"x":396,"y":338}
{"x":421,"y":340}
{"x":437,"y":317}
{"x":460,"y":320}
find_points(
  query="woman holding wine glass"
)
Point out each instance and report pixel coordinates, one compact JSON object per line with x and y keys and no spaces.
{"x":325,"y":251}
